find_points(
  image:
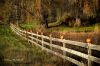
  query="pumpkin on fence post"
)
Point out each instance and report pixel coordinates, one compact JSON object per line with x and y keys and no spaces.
{"x":88,"y":40}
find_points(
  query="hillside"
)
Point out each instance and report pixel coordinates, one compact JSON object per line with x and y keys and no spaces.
{"x":13,"y":47}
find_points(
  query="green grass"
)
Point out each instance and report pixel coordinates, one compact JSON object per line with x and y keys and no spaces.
{"x":36,"y":25}
{"x":10,"y":43}
{"x":77,"y":29}
{"x":26,"y":26}
{"x":8,"y":40}
{"x":73,"y":29}
{"x":31,"y":25}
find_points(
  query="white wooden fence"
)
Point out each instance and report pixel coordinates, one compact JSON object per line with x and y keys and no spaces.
{"x":40,"y":40}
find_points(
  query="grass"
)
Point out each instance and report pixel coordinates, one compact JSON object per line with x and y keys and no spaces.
{"x":76,"y":29}
{"x":73,"y":29}
{"x":31,"y":25}
{"x":26,"y":26}
{"x":37,"y":25}
{"x":9,"y":39}
{"x":11,"y":44}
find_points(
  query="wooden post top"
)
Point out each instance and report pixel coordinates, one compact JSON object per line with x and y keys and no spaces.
{"x":88,"y":40}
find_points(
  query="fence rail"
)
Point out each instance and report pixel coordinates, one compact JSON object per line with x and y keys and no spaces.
{"x":30,"y":37}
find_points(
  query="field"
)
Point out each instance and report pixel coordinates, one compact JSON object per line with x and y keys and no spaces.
{"x":70,"y":33}
{"x":14,"y":47}
{"x":78,"y":35}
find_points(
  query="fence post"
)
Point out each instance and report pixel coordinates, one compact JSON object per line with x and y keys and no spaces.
{"x":50,"y":41}
{"x":27,"y":36}
{"x":89,"y":51}
{"x":24,"y":34}
{"x":64,"y":46}
{"x":37,"y":38}
{"x":32,"y":36}
{"x":42,"y":40}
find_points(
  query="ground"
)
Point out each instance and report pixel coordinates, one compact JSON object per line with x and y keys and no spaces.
{"x":69,"y":33}
{"x":14,"y":47}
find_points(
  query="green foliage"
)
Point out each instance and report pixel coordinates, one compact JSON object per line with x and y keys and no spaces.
{"x":26,"y":26}
{"x":31,"y":25}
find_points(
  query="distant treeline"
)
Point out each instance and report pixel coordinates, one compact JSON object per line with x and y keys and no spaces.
{"x":71,"y":12}
{"x":56,"y":12}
